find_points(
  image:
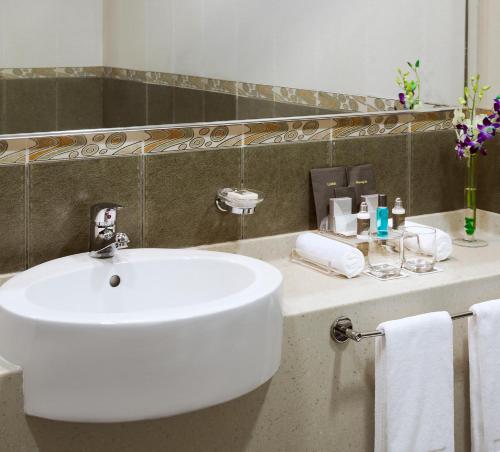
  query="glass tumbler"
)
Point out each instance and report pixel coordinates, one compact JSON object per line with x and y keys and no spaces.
{"x":385,"y":254}
{"x":419,"y":253}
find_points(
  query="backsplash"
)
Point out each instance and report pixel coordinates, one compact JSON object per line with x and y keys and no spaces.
{"x":70,"y":98}
{"x":168,"y":178}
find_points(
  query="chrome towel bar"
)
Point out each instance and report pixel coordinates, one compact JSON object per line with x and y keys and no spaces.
{"x":342,"y":329}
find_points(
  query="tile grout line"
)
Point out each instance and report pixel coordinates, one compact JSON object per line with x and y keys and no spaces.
{"x":242,"y":184}
{"x":410,"y":169}
{"x":332,"y":141}
{"x":26,"y":207}
{"x":142,"y":195}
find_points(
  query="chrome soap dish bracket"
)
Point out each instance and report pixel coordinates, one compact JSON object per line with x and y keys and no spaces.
{"x":239,"y":201}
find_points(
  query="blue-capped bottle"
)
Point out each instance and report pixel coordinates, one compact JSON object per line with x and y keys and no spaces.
{"x":382,"y":217}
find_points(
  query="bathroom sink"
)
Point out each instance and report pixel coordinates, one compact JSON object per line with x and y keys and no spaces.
{"x":146,"y":334}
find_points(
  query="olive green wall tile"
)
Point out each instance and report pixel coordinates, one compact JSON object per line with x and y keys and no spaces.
{"x":252,"y":108}
{"x":12,"y":218}
{"x":160,"y":104}
{"x":124,"y":103}
{"x":489,"y":177}
{"x":79,"y":103}
{"x":220,"y":107}
{"x":180,"y":192}
{"x":189,"y":105}
{"x":284,"y":110}
{"x":389,"y":157}
{"x":282,"y":173}
{"x":30,"y":105}
{"x":437,"y":176}
{"x":60,"y":197}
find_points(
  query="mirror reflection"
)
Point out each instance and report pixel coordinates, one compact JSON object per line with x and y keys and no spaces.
{"x":94,"y":64}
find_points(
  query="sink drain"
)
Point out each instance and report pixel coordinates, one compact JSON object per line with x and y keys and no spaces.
{"x":114,"y":281}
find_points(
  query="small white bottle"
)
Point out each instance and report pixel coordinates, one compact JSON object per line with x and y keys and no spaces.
{"x":363,"y":222}
{"x":398,"y":214}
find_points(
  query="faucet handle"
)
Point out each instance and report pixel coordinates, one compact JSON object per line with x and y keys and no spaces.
{"x":121,"y":240}
{"x":104,"y":214}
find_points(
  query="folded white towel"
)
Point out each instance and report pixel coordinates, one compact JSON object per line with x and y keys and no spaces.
{"x":444,"y":244}
{"x":484,"y":367}
{"x":343,"y":258}
{"x":414,"y":385}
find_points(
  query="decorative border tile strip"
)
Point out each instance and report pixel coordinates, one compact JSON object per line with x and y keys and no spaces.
{"x":13,"y":152}
{"x":432,"y":121}
{"x":362,"y":126}
{"x":193,"y":138}
{"x":73,"y":147}
{"x":280,"y":132}
{"x":47,"y":148}
{"x":51,"y":72}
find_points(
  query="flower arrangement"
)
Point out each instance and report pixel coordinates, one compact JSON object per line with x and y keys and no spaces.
{"x":410,"y":97}
{"x":474,"y":130}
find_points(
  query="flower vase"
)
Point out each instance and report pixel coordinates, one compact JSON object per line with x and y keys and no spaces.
{"x":470,"y":221}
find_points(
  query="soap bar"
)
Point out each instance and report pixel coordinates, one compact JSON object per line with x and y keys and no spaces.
{"x":347,"y":192}
{"x":342,"y":206}
{"x":346,"y":225}
{"x":242,"y":195}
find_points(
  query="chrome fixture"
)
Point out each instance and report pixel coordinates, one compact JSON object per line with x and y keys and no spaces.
{"x":342,"y":330}
{"x":240,"y":201}
{"x":104,"y":239}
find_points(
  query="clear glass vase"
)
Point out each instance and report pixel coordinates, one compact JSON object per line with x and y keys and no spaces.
{"x":470,"y":221}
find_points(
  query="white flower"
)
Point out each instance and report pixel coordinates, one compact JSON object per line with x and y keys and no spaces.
{"x":458,"y":117}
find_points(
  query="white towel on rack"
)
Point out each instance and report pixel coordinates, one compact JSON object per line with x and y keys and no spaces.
{"x":484,"y":366}
{"x":414,"y":385}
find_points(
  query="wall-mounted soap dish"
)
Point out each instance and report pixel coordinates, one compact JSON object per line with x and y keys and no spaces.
{"x":240,"y":201}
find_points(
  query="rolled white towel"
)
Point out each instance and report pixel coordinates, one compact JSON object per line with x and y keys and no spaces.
{"x":444,"y":244}
{"x":343,"y":258}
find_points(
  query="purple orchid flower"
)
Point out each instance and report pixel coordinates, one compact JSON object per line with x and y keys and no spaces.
{"x":471,"y":139}
{"x":487,"y":130}
{"x":402,"y":98}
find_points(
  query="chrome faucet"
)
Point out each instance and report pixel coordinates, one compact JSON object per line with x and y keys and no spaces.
{"x":104,"y":239}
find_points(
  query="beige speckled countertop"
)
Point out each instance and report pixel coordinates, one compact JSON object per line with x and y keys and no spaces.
{"x":306,"y":290}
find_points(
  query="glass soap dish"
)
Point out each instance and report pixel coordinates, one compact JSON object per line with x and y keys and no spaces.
{"x":240,"y":201}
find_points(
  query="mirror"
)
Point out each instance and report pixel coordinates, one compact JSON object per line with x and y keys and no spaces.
{"x":92,"y":64}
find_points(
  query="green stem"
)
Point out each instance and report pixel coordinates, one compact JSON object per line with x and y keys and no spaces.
{"x":471,"y":196}
{"x":418,"y":84}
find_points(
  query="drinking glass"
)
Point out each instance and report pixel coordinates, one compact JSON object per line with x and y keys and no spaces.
{"x":419,"y":253}
{"x":385,"y":254}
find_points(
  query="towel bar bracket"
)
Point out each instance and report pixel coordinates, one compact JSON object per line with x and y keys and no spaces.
{"x":342,"y":329}
{"x":339,"y":328}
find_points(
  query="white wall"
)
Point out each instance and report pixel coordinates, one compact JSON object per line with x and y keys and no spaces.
{"x":333,"y":45}
{"x":488,"y":54}
{"x":50,"y":33}
{"x":350,"y":46}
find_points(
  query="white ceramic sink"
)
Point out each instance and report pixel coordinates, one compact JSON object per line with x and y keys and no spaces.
{"x":184,"y":329}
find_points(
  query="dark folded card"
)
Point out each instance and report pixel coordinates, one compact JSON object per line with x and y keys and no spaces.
{"x":362,"y":179}
{"x":324,"y":183}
